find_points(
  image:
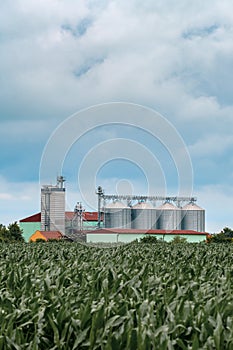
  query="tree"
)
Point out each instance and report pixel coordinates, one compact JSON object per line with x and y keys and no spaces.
{"x":3,"y":233}
{"x":149,"y":239}
{"x":179,"y":239}
{"x":225,"y":236}
{"x":227,"y":232}
{"x":15,"y":233}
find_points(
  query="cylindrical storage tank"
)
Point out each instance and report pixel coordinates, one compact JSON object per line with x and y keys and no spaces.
{"x":169,"y":217}
{"x":193,"y":217}
{"x":144,"y":216}
{"x":117,"y":215}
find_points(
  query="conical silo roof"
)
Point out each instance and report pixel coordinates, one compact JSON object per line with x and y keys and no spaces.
{"x":116,"y":205}
{"x":143,"y":205}
{"x":168,"y":206}
{"x":191,"y":206}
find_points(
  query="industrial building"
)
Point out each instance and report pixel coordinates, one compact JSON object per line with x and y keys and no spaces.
{"x":129,"y":235}
{"x":120,"y":218}
{"x":142,"y":213}
{"x":31,"y":224}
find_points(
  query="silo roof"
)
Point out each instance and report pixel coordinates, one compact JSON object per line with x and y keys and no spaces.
{"x":143,"y":205}
{"x":191,"y":206}
{"x":168,"y":206}
{"x":115,"y":205}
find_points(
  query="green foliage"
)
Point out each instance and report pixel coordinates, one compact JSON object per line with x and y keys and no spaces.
{"x":178,"y":240}
{"x":158,"y":296}
{"x":149,"y":239}
{"x":12,"y":233}
{"x":40,"y":240}
{"x":3,"y":233}
{"x":227,"y":232}
{"x":225,"y":236}
{"x":220,"y":238}
{"x":15,"y":233}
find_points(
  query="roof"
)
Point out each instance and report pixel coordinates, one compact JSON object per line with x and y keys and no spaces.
{"x":115,"y":205}
{"x":87,"y":215}
{"x":192,"y":206}
{"x":51,"y":234}
{"x":143,"y":205}
{"x":32,"y":218}
{"x":136,"y":231}
{"x":168,"y":206}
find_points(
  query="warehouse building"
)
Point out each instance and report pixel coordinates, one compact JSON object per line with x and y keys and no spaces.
{"x":129,"y":235}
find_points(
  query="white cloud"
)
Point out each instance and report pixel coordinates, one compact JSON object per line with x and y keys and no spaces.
{"x":173,"y":56}
{"x":145,"y":56}
{"x":212,"y":145}
{"x":18,"y":200}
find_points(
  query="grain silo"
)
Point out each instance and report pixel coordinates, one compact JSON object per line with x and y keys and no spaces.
{"x":117,"y":215}
{"x":169,"y":217}
{"x":53,"y":206}
{"x":193,"y":217}
{"x":144,"y":216}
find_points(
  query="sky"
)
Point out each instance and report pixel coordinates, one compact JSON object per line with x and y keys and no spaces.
{"x":60,"y":58}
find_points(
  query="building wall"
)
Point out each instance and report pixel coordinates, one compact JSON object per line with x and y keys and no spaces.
{"x":127,"y":238}
{"x":90,"y":225}
{"x":29,"y":228}
{"x":101,"y":238}
{"x":190,"y":238}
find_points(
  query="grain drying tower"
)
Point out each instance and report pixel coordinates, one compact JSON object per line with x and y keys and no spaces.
{"x":53,"y":206}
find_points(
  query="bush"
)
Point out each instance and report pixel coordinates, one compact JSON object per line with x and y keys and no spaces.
{"x":219,"y":238}
{"x":149,"y":239}
{"x":179,"y":239}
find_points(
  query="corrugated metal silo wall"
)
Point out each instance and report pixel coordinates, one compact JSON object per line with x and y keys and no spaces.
{"x":144,"y":219}
{"x":117,"y":217}
{"x":169,"y":219}
{"x":193,"y":220}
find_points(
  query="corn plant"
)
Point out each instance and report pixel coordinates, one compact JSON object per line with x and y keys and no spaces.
{"x":159,"y":296}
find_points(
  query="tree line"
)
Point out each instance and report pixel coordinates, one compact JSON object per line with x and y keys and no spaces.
{"x":11,"y":233}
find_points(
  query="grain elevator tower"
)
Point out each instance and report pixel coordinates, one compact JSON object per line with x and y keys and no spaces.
{"x":53,"y":206}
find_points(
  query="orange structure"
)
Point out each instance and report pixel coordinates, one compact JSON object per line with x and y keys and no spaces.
{"x":45,"y":235}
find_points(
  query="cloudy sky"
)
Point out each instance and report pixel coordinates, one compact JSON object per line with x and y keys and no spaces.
{"x":59,"y":57}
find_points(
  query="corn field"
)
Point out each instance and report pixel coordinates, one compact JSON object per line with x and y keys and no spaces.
{"x":136,"y":296}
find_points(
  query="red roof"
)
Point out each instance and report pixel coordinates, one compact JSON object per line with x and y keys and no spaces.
{"x":87,"y":215}
{"x":52,"y":234}
{"x":135,"y":231}
{"x":32,"y":218}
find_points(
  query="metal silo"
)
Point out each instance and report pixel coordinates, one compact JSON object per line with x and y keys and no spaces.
{"x":169,"y":217}
{"x":117,"y":215}
{"x":144,"y":216}
{"x":53,"y":206}
{"x":193,"y":217}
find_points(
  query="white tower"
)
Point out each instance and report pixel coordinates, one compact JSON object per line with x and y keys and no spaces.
{"x":53,"y":206}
